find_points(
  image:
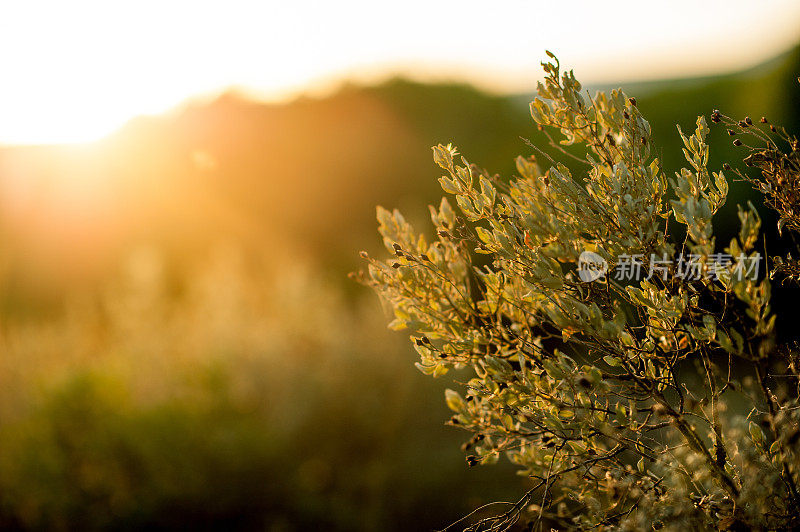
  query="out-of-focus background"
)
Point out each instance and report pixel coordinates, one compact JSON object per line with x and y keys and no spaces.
{"x":184,"y":187}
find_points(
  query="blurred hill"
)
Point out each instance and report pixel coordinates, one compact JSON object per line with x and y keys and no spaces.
{"x":303,"y":176}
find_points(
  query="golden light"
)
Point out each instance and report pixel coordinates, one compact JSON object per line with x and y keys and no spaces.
{"x":74,"y":71}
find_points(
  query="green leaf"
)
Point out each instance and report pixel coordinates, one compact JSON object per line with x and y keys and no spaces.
{"x":454,"y":400}
{"x":756,"y":433}
{"x":448,"y":185}
{"x":485,"y":235}
{"x":443,"y":155}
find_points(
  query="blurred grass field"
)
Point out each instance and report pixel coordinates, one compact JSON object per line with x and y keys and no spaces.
{"x":181,"y":347}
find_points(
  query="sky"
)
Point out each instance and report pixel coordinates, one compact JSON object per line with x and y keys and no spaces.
{"x":76,"y":71}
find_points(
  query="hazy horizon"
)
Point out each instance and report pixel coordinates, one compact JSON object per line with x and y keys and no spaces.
{"x":78,"y":72}
{"x":334,"y":84}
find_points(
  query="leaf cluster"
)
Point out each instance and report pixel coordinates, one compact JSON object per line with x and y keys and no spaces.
{"x":651,"y":403}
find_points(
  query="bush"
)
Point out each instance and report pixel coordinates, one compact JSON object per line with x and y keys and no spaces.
{"x":628,"y":367}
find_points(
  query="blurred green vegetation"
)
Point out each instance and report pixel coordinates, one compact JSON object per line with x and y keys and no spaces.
{"x":181,"y":346}
{"x":257,"y":398}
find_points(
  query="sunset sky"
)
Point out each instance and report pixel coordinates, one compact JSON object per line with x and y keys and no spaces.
{"x":75,"y":71}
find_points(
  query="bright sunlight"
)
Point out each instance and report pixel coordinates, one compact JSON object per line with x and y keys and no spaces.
{"x":75,"y":71}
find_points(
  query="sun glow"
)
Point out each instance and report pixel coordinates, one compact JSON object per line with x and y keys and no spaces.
{"x":75,"y":71}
